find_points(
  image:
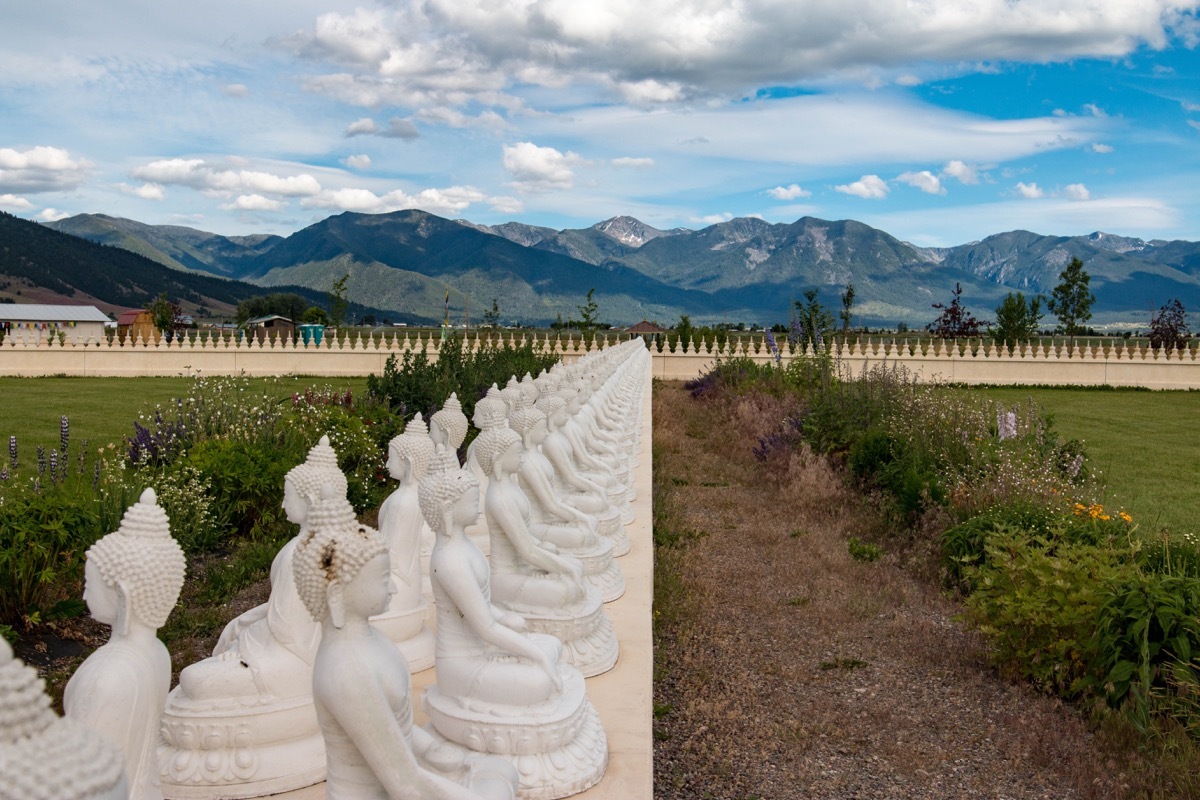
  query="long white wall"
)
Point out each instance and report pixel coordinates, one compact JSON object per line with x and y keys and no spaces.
{"x":1088,"y":363}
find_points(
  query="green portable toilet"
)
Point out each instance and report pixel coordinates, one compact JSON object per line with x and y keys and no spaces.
{"x":312,"y":334}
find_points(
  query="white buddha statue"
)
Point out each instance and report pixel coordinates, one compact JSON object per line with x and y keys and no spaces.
{"x":409,"y":543}
{"x":557,"y":524}
{"x":571,"y":485}
{"x":241,"y":722}
{"x":448,"y":428}
{"x":132,"y":579}
{"x":499,"y":689}
{"x":43,"y":757}
{"x":361,"y":685}
{"x":545,"y":587}
{"x":588,"y":462}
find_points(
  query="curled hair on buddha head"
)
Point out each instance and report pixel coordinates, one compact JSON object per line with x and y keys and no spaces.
{"x":512,"y":394}
{"x":522,"y":420}
{"x":142,"y":559}
{"x":493,"y":443}
{"x":491,"y":411}
{"x":452,"y":420}
{"x":41,"y":754}
{"x":334,"y":548}
{"x":318,"y":469}
{"x":441,"y":488}
{"x":550,"y":405}
{"x":414,"y":446}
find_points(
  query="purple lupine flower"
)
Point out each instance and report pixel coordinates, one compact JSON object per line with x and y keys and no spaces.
{"x":41,"y":459}
{"x":53,"y":465}
{"x":4,"y":473}
{"x":12,"y":451}
{"x":64,"y":434}
{"x":773,"y":346}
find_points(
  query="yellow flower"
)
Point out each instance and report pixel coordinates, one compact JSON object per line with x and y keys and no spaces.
{"x":1125,"y":516}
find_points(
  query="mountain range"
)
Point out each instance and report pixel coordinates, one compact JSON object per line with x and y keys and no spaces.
{"x":745,"y":269}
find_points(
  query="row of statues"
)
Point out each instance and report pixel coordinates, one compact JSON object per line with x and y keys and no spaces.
{"x":316,"y":683}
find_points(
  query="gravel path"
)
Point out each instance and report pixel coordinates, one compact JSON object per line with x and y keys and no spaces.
{"x":790,"y":670}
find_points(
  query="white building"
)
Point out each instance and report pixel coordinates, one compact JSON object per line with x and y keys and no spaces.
{"x":36,"y":321}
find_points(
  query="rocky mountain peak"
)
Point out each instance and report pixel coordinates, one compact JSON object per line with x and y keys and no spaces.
{"x":1114,"y":243}
{"x":628,"y":231}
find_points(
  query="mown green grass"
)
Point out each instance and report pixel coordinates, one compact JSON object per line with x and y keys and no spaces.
{"x":102,"y":410}
{"x":1146,"y":445}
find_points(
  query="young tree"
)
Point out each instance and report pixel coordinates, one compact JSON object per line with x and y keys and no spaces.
{"x":587,"y":312}
{"x":167,"y":315}
{"x":1169,"y":328}
{"x":315,"y":315}
{"x":847,"y":306}
{"x":813,"y":323}
{"x":338,"y":304}
{"x":684,"y":329}
{"x":1071,"y":301}
{"x":1017,"y":319}
{"x":955,"y":322}
{"x":491,"y":317}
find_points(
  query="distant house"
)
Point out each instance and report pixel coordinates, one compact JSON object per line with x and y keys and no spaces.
{"x":136,"y":325}
{"x":35,"y":321}
{"x":647,"y":330}
{"x":271,"y":327}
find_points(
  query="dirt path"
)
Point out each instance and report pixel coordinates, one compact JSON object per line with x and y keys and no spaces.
{"x":787,"y":669}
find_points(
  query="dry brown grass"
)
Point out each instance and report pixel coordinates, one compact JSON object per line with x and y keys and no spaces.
{"x":786,"y":669}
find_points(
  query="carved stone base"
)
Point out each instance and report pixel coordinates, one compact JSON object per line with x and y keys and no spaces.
{"x":559,"y":749}
{"x":239,"y":750}
{"x":601,"y":571}
{"x":410,"y":633}
{"x":586,"y":632}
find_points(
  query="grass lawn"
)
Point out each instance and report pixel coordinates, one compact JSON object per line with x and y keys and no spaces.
{"x":1146,"y":444}
{"x":102,"y":410}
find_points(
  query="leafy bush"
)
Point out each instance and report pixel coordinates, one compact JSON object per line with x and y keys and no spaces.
{"x":1036,"y":600}
{"x":246,"y":480}
{"x":417,"y":383}
{"x":882,"y":460}
{"x":1146,"y":640}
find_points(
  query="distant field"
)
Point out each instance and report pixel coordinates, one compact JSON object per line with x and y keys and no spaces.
{"x":1147,"y":444}
{"x":102,"y":410}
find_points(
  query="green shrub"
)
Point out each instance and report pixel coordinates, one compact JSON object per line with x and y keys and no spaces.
{"x":246,"y":481}
{"x":964,"y":545}
{"x":43,"y":539}
{"x":1036,"y":600}
{"x":1146,"y":640}
{"x":863,"y":551}
{"x":878,"y":458}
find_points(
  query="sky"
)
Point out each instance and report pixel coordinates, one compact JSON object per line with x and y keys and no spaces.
{"x":938,"y":121}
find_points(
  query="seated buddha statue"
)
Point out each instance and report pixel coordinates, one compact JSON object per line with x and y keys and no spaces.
{"x":132,"y":579}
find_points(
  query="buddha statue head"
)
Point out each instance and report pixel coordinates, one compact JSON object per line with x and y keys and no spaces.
{"x":448,"y":494}
{"x":449,"y":425}
{"x":554,"y":407}
{"x":409,"y":453}
{"x":329,"y":557}
{"x":302,"y":485}
{"x":530,"y":424}
{"x":491,"y":411}
{"x":512,"y":395}
{"x":44,"y":757}
{"x":492,"y":450}
{"x":134,"y":574}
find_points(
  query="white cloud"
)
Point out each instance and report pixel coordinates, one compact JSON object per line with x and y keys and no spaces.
{"x":52,"y":215}
{"x":789,"y":192}
{"x":12,"y":201}
{"x":1030,"y":191}
{"x":486,"y":119}
{"x":449,"y":52}
{"x":362,"y":127}
{"x":924,"y":180}
{"x":199,"y":174}
{"x":235,"y":90}
{"x":628,"y":162}
{"x":1194,"y":124}
{"x":361,"y":161}
{"x":41,"y":169}
{"x":444,"y":201}
{"x":1076,"y":191}
{"x":1098,"y":147}
{"x":908,"y":79}
{"x":506,"y":205}
{"x":870,"y":187}
{"x":539,"y":169}
{"x":147,"y":191}
{"x":253,"y":202}
{"x":964,"y":173}
{"x":397,"y":129}
{"x":1191,"y":108}
{"x":1094,"y":110}
{"x":712,"y":219}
